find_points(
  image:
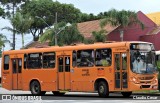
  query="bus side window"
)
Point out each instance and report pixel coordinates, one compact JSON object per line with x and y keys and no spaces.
{"x":49,"y":60}
{"x":85,"y":58}
{"x":25,"y":61}
{"x":6,"y":62}
{"x":103,"y":57}
{"x":74,"y":58}
{"x":34,"y":61}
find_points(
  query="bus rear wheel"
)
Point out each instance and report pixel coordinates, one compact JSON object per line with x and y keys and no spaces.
{"x":103,"y":89}
{"x":126,"y":94}
{"x":36,"y":88}
{"x":57,"y":93}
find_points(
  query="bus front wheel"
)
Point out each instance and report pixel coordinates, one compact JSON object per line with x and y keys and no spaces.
{"x":126,"y":94}
{"x":103,"y":89}
{"x":36,"y":88}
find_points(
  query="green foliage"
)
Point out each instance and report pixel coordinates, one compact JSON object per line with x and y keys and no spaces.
{"x":99,"y":36}
{"x":11,"y":6}
{"x":67,"y":36}
{"x":47,"y":9}
{"x":3,"y":40}
{"x":70,"y":35}
{"x":1,"y":12}
{"x":87,"y":17}
{"x":123,"y":18}
{"x":21,"y":24}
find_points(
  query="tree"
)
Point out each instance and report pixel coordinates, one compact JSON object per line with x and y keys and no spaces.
{"x":3,"y":40}
{"x":11,"y":6}
{"x":99,"y":36}
{"x":121,"y":18}
{"x":47,"y":9}
{"x":1,"y":12}
{"x":21,"y":24}
{"x":66,"y":37}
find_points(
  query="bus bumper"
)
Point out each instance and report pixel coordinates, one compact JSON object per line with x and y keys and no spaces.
{"x":135,"y":87}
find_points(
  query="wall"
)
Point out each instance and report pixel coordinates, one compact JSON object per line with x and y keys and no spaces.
{"x":133,"y":32}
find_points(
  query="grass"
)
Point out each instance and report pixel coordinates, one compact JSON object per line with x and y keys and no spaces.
{"x":148,"y":91}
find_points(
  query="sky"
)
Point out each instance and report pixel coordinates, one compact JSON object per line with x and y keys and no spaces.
{"x":95,"y":7}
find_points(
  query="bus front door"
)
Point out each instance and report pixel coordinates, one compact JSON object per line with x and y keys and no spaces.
{"x":120,"y":66}
{"x":64,"y":73}
{"x":16,"y":73}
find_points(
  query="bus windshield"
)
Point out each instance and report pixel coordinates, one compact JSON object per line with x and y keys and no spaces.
{"x":143,"y":58}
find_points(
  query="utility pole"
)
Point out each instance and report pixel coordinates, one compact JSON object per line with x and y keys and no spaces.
{"x":14,"y":34}
{"x":55,"y":38}
{"x":121,"y":34}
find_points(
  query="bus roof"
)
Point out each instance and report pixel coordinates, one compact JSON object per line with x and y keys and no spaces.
{"x":74,"y":47}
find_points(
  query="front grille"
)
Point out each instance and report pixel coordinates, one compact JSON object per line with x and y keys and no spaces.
{"x":146,"y":82}
{"x":146,"y":78}
{"x":145,"y":86}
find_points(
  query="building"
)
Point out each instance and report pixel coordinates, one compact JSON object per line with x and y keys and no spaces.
{"x":86,"y":28}
{"x":151,"y":32}
{"x":134,"y":32}
{"x":155,"y":17}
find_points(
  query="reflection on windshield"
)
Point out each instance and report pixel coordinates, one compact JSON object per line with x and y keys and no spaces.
{"x":143,"y":62}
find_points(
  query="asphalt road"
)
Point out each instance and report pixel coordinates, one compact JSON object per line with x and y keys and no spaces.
{"x":76,"y":97}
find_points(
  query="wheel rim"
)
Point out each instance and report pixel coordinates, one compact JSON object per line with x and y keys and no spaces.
{"x":101,"y":89}
{"x":35,"y":88}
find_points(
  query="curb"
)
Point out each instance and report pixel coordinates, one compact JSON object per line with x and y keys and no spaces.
{"x":152,"y":94}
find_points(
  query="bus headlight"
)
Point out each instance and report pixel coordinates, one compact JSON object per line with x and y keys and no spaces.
{"x":134,"y":80}
{"x":155,"y":81}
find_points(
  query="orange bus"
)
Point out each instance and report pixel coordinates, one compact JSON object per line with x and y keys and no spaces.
{"x":101,"y":67}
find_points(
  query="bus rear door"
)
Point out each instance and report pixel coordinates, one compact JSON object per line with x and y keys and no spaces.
{"x":120,"y":66}
{"x":16,"y":65}
{"x":64,"y":72}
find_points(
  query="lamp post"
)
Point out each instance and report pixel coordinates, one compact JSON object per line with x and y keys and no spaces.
{"x":121,"y":34}
{"x":55,"y":28}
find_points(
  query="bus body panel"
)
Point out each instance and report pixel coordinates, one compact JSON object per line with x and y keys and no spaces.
{"x":47,"y":78}
{"x":65,"y":76}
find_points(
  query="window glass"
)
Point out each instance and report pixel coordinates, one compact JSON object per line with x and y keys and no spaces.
{"x":85,"y":58}
{"x":103,"y":57}
{"x":124,"y":61}
{"x":25,"y":61}
{"x":34,"y":61}
{"x":14,"y":66}
{"x":60,"y":63}
{"x":6,"y":62}
{"x":49,"y":60}
{"x":74,"y":57}
{"x":19,"y":65}
{"x":67,"y":64}
{"x":117,"y":61}
{"x":158,"y":61}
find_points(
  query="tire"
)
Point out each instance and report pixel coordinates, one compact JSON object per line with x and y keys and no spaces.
{"x":126,"y":94}
{"x":43,"y":93}
{"x":103,"y":90}
{"x":35,"y":88}
{"x":57,"y":93}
